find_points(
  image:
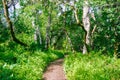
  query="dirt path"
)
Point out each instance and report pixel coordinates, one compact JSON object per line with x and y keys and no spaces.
{"x":55,"y":71}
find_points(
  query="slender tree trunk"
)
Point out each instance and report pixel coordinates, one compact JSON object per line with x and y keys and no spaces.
{"x":33,"y":25}
{"x":86,"y":24}
{"x":37,"y":34}
{"x":93,"y":30}
{"x":39,"y":39}
{"x":47,"y":42}
{"x":6,"y":13}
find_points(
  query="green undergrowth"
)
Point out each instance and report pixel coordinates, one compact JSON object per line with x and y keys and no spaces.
{"x":17,"y":63}
{"x":94,"y":66}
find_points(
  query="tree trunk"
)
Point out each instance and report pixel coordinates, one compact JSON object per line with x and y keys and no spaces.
{"x":39,"y":39}
{"x":47,"y":42}
{"x":37,"y":34}
{"x":86,"y":24}
{"x":6,"y":13}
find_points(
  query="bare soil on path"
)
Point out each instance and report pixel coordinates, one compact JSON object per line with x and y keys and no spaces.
{"x":55,"y":71}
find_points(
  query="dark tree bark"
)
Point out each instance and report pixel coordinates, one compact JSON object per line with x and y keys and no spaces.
{"x":6,"y":13}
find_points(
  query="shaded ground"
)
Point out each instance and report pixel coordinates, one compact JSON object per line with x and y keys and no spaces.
{"x":55,"y":71}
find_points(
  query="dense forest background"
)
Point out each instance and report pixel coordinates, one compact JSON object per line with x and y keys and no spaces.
{"x":36,"y":32}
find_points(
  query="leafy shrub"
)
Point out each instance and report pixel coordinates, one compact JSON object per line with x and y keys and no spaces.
{"x":18,"y":64}
{"x":92,"y":67}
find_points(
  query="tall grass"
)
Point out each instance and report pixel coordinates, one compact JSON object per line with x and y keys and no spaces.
{"x":92,"y":67}
{"x":16,"y":63}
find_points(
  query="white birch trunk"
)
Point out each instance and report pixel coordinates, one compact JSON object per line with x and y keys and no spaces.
{"x":37,"y":34}
{"x":86,"y":24}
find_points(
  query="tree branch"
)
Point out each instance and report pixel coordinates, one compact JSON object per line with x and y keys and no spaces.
{"x":6,"y":13}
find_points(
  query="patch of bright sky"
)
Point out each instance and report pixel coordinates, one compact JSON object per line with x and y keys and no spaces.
{"x":11,"y":9}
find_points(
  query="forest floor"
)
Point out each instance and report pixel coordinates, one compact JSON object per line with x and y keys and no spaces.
{"x":55,"y":71}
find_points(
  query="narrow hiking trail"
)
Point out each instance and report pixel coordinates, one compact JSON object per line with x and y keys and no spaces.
{"x":55,"y":71}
